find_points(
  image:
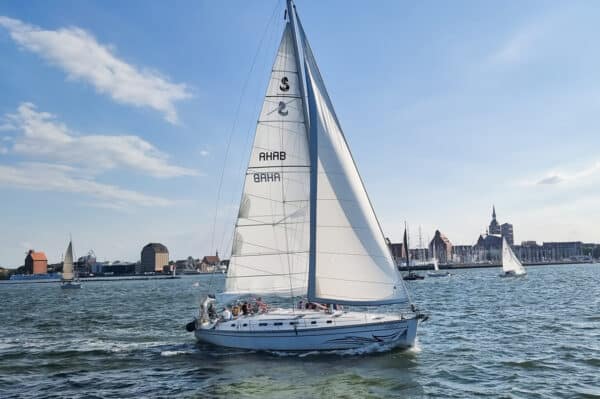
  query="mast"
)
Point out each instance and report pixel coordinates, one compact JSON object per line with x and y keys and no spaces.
{"x":312,"y":142}
{"x":406,"y":248}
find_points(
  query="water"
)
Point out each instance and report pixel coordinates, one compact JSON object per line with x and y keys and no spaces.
{"x":532,"y":337}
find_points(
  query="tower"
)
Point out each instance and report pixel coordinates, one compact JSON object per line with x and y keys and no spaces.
{"x":494,"y":225}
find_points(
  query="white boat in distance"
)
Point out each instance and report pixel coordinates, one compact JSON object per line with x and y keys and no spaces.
{"x":306,"y":229}
{"x":511,"y":265}
{"x":436,"y":267}
{"x":69,"y":279}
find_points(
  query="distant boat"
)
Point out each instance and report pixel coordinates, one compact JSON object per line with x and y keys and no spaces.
{"x":410,"y":275}
{"x":511,"y":265}
{"x":436,"y":268}
{"x":69,"y":278}
{"x":306,"y":230}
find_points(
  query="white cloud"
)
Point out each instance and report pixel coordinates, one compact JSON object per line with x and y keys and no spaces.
{"x":204,"y":153}
{"x":62,"y":178}
{"x":79,"y":54}
{"x":42,"y":136}
{"x":556,"y":177}
{"x":517,"y":48}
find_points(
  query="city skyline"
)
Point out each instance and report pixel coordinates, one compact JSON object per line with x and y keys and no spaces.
{"x":115,"y":132}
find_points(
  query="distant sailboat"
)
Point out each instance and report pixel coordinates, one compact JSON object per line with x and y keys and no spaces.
{"x":511,"y":265}
{"x":305,"y":229}
{"x":436,"y":267}
{"x":410,"y":275}
{"x":69,"y":278}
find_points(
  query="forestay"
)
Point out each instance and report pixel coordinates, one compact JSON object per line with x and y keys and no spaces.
{"x":271,"y":239}
{"x":510,"y":262}
{"x":352,"y":263}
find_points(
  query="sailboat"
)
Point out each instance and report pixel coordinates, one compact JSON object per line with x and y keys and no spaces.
{"x":436,"y":267}
{"x":69,"y":279}
{"x":410,"y":275}
{"x":306,"y":231}
{"x":511,"y":265}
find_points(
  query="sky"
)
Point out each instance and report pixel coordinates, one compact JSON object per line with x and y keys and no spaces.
{"x":116,"y":117}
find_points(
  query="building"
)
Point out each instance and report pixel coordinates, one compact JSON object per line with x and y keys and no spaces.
{"x":507,"y":232}
{"x":209,"y":263}
{"x":36,"y":263}
{"x":494,"y":227}
{"x":154,"y":257}
{"x":488,"y":248}
{"x":441,"y":247}
{"x":503,"y":230}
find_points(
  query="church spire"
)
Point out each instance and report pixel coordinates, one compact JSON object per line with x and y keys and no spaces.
{"x":494,"y":212}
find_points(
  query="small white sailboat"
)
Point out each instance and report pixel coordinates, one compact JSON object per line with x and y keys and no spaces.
{"x":511,"y":265}
{"x":69,"y":278}
{"x":306,"y":229}
{"x":436,"y":267}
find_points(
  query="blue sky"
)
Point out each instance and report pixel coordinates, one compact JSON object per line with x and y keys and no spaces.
{"x":114,"y":117}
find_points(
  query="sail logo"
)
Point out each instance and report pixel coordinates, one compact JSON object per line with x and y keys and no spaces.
{"x":282,"y":110}
{"x":272,"y":156}
{"x":266,"y":177}
{"x":285,"y":85}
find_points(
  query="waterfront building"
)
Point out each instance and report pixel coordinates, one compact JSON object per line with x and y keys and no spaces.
{"x":119,"y":268}
{"x":154,"y":257}
{"x":489,"y":247}
{"x":507,"y":232}
{"x":36,"y":263}
{"x":442,"y":246}
{"x":209,"y":263}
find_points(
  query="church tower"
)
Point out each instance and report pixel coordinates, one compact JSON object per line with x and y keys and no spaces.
{"x":494,"y":225}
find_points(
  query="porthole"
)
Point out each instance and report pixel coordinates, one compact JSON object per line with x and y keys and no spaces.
{"x":329,"y":321}
{"x":263,"y":324}
{"x":277,"y":324}
{"x":313,"y":322}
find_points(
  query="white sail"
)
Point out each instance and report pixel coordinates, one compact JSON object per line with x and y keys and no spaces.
{"x":510,"y":262}
{"x":68,"y":264}
{"x":436,"y":262}
{"x":352,"y":263}
{"x":271,"y":242}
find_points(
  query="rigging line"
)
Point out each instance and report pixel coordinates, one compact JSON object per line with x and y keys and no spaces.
{"x":235,"y":121}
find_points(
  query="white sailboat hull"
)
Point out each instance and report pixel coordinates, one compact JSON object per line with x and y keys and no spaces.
{"x":274,"y":331}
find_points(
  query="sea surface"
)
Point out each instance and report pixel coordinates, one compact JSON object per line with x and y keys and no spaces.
{"x":532,"y":337}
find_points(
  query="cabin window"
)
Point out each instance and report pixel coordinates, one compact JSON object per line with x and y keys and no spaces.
{"x":245,"y":325}
{"x":292,"y":323}
{"x":277,"y":324}
{"x":233,"y":325}
{"x":313,"y":322}
{"x":263,"y":324}
{"x":329,"y":322}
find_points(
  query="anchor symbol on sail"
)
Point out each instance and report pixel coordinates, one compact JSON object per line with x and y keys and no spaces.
{"x":282,"y":110}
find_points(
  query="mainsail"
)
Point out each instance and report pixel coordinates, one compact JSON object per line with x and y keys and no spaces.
{"x":271,"y":239}
{"x":68,"y":263}
{"x":510,"y":262}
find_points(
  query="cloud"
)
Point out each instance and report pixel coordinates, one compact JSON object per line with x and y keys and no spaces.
{"x":62,"y":178}
{"x":42,"y":136}
{"x":79,"y":54}
{"x":3,"y":150}
{"x":554,"y":179}
{"x":517,"y":48}
{"x":561,"y":177}
{"x":204,"y":153}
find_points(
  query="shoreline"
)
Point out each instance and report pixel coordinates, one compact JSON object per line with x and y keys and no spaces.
{"x":488,"y":265}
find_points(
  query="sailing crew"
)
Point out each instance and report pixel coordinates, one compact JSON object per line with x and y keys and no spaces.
{"x":226,"y":314}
